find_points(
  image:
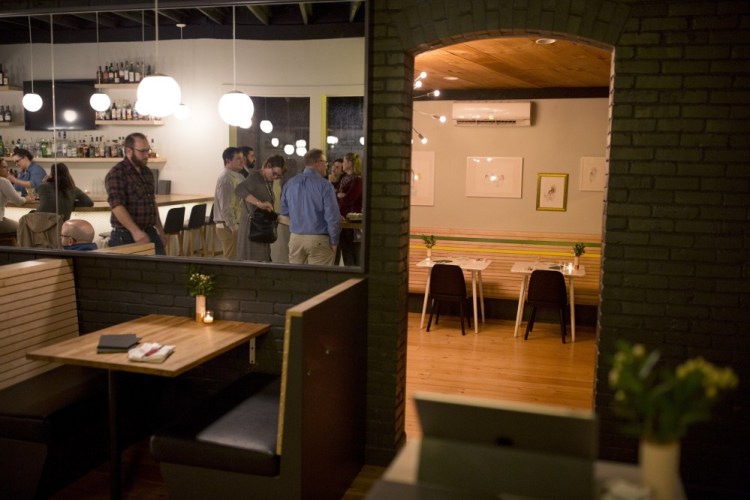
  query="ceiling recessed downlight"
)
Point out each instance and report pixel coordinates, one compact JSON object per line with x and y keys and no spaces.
{"x":545,"y":41}
{"x":451,"y":78}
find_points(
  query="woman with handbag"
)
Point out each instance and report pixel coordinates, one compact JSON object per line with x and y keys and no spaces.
{"x":258,"y":224}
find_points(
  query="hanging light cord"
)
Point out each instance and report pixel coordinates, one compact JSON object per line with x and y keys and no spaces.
{"x":54,"y":118}
{"x":156,"y":28}
{"x":234,"y":54}
{"x":31,"y":54}
{"x":98,"y":53}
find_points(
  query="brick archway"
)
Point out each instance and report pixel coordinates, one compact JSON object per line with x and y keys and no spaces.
{"x":402,"y":32}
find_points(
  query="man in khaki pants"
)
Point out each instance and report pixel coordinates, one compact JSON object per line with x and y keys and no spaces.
{"x":226,"y":204}
{"x":310,"y":202}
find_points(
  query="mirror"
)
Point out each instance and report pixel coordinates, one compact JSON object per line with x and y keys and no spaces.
{"x":313,"y":51}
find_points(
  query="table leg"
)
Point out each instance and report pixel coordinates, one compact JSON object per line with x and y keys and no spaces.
{"x":426,"y":295}
{"x":481,"y":293}
{"x":519,"y":312}
{"x":115,"y":486}
{"x":474,"y":298}
{"x":571,"y":286}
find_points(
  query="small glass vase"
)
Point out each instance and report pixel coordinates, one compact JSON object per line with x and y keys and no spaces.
{"x":660,"y":468}
{"x":576,"y":262}
{"x":200,"y":307}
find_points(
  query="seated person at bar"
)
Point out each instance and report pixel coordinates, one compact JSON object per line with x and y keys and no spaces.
{"x":77,"y":234}
{"x":7,"y":193}
{"x":59,"y":194}
{"x":32,"y":174}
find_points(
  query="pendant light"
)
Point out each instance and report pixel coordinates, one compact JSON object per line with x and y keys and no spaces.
{"x":31,"y":101}
{"x":235,"y":107}
{"x":99,"y":100}
{"x":158,"y":95}
{"x":183,"y":111}
{"x":266,"y":125}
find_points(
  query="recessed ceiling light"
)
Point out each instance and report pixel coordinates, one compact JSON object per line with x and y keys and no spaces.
{"x":545,"y":41}
{"x":451,"y":78}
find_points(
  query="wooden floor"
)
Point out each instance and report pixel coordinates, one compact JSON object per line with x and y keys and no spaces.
{"x":490,"y":364}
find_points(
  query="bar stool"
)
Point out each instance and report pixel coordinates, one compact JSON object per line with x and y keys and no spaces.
{"x":173,"y":227}
{"x":195,"y":223}
{"x":209,"y":234}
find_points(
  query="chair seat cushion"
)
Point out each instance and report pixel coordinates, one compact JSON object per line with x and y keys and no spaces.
{"x":31,"y":410}
{"x":236,"y":430}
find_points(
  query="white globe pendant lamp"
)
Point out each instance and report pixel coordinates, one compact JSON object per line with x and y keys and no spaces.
{"x":275,"y":142}
{"x":235,"y":107}
{"x":266,"y":126}
{"x":157,"y":93}
{"x":32,"y":101}
{"x":99,"y":100}
{"x":288,"y":149}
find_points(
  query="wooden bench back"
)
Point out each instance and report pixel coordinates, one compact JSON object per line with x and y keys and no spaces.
{"x":504,"y":248}
{"x":130,"y":249}
{"x":321,"y":433}
{"x":37,"y":308}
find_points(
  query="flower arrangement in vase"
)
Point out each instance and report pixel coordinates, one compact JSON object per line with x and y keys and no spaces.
{"x":659,"y":406}
{"x":429,"y":242}
{"x":578,"y":250}
{"x":200,"y":285}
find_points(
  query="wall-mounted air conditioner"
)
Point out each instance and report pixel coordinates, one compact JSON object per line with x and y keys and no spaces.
{"x":492,"y":113}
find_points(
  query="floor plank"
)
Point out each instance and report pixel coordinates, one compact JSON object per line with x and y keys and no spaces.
{"x":491,"y":364}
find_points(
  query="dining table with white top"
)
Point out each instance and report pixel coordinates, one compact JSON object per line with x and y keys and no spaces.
{"x":567,"y":269}
{"x":475,"y":266}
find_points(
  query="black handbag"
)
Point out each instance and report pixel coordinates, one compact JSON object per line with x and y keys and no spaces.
{"x":263,"y":226}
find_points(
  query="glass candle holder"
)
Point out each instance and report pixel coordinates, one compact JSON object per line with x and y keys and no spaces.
{"x":208,"y":317}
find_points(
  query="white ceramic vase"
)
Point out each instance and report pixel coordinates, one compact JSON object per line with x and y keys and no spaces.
{"x":576,"y":262}
{"x":660,"y":466}
{"x":200,"y":307}
{"x":429,"y":254}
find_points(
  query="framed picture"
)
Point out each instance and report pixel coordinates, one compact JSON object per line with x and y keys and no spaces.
{"x":494,"y":176}
{"x":552,"y":192}
{"x":423,"y":178}
{"x":593,"y":173}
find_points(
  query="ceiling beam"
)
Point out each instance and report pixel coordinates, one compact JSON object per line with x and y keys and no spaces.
{"x":213,"y":15}
{"x":103,"y":21}
{"x":261,"y":12}
{"x":306,"y":11}
{"x":353,"y":8}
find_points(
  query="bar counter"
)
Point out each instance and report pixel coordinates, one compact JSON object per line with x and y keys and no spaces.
{"x":99,"y":214}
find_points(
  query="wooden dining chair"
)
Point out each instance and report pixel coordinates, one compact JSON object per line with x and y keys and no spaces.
{"x":547,"y":289}
{"x":447,"y":284}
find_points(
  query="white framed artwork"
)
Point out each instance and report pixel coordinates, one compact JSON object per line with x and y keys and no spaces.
{"x":593,"y":173}
{"x":494,"y":177}
{"x":423,"y":178}
{"x":552,"y":192}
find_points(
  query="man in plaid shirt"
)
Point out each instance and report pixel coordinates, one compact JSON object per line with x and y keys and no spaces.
{"x":131,"y":195}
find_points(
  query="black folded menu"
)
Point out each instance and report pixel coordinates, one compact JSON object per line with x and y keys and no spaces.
{"x":120,"y":342}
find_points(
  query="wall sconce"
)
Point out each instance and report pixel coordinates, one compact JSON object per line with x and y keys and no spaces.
{"x":422,"y":138}
{"x":440,"y":118}
{"x":433,"y":93}
{"x":418,"y":80}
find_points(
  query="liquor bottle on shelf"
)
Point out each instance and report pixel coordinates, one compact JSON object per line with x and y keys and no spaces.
{"x":2,"y":113}
{"x":8,"y":115}
{"x":153,"y":153}
{"x":1,"y":74}
{"x":2,"y":147}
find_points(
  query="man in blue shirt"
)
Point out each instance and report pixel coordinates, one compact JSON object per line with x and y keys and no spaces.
{"x":31,"y":175}
{"x":310,"y":202}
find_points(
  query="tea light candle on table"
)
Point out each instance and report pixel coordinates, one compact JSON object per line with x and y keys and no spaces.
{"x":208,"y":317}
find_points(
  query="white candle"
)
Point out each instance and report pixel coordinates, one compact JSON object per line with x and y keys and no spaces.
{"x":208,"y":317}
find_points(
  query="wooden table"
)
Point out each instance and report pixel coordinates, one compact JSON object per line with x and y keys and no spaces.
{"x":525,"y":268}
{"x":194,"y":342}
{"x":475,"y":266}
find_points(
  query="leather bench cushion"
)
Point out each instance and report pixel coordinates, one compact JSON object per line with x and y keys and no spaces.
{"x":32,"y":410}
{"x":236,"y":430}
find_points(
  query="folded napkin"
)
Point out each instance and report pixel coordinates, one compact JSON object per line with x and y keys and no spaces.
{"x":150,"y":352}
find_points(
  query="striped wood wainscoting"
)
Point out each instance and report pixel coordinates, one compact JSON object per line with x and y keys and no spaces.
{"x":503,"y":249}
